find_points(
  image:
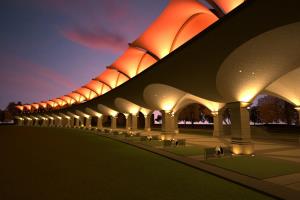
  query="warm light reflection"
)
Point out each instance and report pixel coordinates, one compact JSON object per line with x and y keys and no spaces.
{"x":228,"y":5}
{"x":167,"y":105}
{"x":145,"y":111}
{"x":247,"y":95}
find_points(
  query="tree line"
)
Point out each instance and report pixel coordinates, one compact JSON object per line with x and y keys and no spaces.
{"x":268,"y":109}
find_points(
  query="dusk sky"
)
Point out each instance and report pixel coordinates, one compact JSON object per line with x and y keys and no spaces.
{"x":49,"y":48}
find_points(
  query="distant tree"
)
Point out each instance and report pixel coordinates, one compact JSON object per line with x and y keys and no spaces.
{"x":272,"y":109}
{"x":290,"y":115}
{"x":191,"y":113}
{"x":195,"y":113}
{"x":254,"y":114}
{"x":1,"y":115}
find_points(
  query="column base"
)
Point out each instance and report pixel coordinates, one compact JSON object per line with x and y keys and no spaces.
{"x":167,"y":135}
{"x":242,"y":147}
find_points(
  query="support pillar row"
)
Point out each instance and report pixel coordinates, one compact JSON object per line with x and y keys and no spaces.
{"x":240,"y":129}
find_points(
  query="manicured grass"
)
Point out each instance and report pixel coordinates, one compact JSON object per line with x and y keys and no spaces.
{"x":153,"y":143}
{"x":190,"y":150}
{"x":55,"y":164}
{"x":258,"y":167}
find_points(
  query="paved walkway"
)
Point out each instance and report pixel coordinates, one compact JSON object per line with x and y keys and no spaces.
{"x":291,"y":181}
{"x":267,"y":187}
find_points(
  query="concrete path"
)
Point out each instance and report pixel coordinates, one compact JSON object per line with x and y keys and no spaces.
{"x":291,"y":181}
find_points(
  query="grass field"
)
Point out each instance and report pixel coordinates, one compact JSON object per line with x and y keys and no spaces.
{"x":43,"y":163}
{"x":258,"y":166}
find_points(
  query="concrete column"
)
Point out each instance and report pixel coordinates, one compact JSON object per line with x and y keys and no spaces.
{"x":29,"y":122}
{"x":68,"y":122}
{"x":51,"y":122}
{"x":36,"y":122}
{"x":59,"y":122}
{"x":100,"y":123}
{"x":81,"y":121}
{"x":76,"y":123}
{"x":44,"y":122}
{"x":88,"y":122}
{"x":218,"y":124}
{"x":298,"y":110}
{"x":19,"y":122}
{"x":134,"y":121}
{"x":72,"y":122}
{"x":113,"y":122}
{"x":240,"y":129}
{"x":148,"y":122}
{"x":128,"y":122}
{"x":169,"y":123}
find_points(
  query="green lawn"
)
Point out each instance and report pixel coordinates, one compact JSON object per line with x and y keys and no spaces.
{"x":190,"y":150}
{"x":258,"y":167}
{"x":54,"y":164}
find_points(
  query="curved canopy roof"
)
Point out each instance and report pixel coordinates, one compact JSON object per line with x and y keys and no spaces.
{"x":166,"y":34}
{"x":228,"y":5}
{"x":133,"y":62}
{"x":169,"y":31}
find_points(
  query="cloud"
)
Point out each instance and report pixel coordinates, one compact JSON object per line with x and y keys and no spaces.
{"x":97,"y":38}
{"x":23,"y":80}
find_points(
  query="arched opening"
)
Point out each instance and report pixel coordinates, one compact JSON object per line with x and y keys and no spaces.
{"x":94,"y":121}
{"x":121,"y":120}
{"x":195,"y":118}
{"x":141,"y":121}
{"x":273,"y":117}
{"x":156,"y":120}
{"x":107,"y":121}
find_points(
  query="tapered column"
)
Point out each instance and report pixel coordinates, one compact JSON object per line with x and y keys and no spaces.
{"x":77,"y":122}
{"x":100,"y":123}
{"x":240,"y":129}
{"x":68,"y":122}
{"x":51,"y":122}
{"x":128,"y":122}
{"x":218,"y":124}
{"x":298,"y":110}
{"x":148,"y":122}
{"x":169,"y":123}
{"x":134,"y":122}
{"x":29,"y":122}
{"x":44,"y":122}
{"x":81,"y":121}
{"x":59,"y":122}
{"x":88,"y":122}
{"x":113,"y":122}
{"x":36,"y":122}
{"x":20,"y":121}
{"x":72,"y":121}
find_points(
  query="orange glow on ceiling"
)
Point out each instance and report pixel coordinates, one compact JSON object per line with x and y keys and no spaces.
{"x":21,"y":108}
{"x":67,"y":99}
{"x":96,"y":86}
{"x":52,"y":104}
{"x":121,"y":79}
{"x":79,"y":98}
{"x":27,"y":107}
{"x":111,"y":77}
{"x":35,"y":106}
{"x":87,"y":93}
{"x":228,"y":5}
{"x":59,"y":102}
{"x":130,"y":62}
{"x":43,"y":105}
{"x":105,"y":89}
{"x":160,"y":36}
